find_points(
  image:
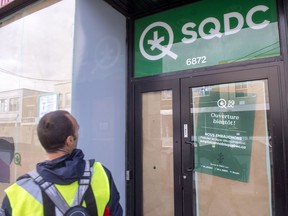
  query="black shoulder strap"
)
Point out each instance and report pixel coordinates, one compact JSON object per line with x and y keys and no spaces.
{"x":49,"y":206}
{"x":54,"y":194}
{"x":23,"y":177}
{"x":90,"y":201}
{"x":51,"y":191}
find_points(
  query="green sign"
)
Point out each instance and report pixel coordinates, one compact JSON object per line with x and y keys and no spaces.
{"x":205,"y":33}
{"x":223,"y":135}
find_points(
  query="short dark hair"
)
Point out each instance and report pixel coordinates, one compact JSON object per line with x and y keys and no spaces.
{"x":53,"y":130}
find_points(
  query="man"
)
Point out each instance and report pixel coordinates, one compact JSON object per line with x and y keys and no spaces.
{"x":64,"y":168}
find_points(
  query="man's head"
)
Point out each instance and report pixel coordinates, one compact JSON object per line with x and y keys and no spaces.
{"x":58,"y":131}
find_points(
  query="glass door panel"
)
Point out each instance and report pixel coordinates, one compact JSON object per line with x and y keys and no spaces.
{"x":232,"y":150}
{"x":157,"y":153}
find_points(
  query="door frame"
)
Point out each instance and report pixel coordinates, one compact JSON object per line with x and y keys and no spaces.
{"x":272,"y":76}
{"x":176,"y":81}
{"x":146,"y":87}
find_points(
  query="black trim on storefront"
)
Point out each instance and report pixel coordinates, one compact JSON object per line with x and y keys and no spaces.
{"x":280,"y":113}
{"x":283,"y":31}
{"x":130,"y":183}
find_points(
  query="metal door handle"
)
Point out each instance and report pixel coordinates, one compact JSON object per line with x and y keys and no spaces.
{"x":189,"y":143}
{"x":189,"y":169}
{"x":192,"y":144}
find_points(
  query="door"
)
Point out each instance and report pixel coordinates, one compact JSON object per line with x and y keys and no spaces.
{"x":209,"y":146}
{"x":231,"y":146}
{"x":157,"y":149}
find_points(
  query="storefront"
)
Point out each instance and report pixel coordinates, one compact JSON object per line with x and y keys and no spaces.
{"x":210,"y":110}
{"x":206,"y":104}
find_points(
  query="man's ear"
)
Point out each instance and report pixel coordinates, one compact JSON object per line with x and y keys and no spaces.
{"x":70,"y":139}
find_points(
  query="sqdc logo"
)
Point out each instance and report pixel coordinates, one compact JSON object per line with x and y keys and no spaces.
{"x":157,"y":39}
{"x":156,"y":42}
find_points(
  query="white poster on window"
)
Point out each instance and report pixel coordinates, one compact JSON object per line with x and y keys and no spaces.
{"x":47,"y":103}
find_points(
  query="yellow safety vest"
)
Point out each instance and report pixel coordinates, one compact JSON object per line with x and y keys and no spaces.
{"x":26,"y":199}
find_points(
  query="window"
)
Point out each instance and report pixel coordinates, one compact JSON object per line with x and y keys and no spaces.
{"x":67,"y":99}
{"x":241,"y":90}
{"x":14,"y":104}
{"x":35,"y":57}
{"x":3,"y":105}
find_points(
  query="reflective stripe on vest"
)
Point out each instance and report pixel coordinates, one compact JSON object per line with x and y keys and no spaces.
{"x":26,"y":199}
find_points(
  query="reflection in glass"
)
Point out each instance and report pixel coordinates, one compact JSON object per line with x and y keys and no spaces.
{"x":35,"y":61}
{"x":232,"y":152}
{"x":14,"y":104}
{"x":157,"y":154}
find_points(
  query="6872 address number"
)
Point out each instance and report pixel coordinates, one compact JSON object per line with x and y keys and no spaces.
{"x":196,"y":60}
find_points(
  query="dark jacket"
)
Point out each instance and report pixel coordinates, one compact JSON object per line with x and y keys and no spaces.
{"x":67,"y":169}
